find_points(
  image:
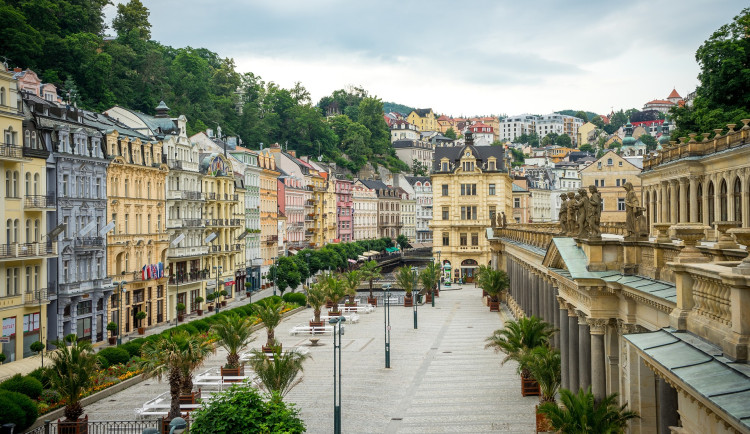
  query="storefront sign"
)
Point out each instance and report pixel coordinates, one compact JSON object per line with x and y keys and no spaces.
{"x":9,"y":326}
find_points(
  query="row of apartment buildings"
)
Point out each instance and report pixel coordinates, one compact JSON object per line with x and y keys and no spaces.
{"x":513,"y":126}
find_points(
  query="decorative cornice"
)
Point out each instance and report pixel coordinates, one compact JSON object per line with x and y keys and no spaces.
{"x":598,"y":326}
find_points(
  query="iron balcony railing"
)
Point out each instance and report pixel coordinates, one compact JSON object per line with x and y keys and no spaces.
{"x":37,"y":296}
{"x":8,"y":150}
{"x":39,"y":201}
{"x":25,"y":250}
{"x":88,"y":242}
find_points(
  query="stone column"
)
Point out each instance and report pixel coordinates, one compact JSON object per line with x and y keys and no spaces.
{"x":584,"y":352}
{"x":564,"y":345}
{"x":704,"y":199}
{"x":598,"y":327}
{"x":717,"y":199}
{"x":693,"y":199}
{"x":573,"y":349}
{"x":683,"y":200}
{"x":664,"y":204}
{"x":666,"y":400}
{"x":673,"y":205}
{"x":555,"y":318}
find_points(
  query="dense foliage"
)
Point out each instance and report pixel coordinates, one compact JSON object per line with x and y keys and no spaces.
{"x":28,"y":386}
{"x":17,"y":408}
{"x":64,"y":42}
{"x":581,"y":413}
{"x":723,"y":95}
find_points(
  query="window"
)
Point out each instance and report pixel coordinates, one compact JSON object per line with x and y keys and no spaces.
{"x":474,"y":239}
{"x":83,"y":307}
{"x":445,"y":189}
{"x":493,"y":212}
{"x":619,"y":163}
{"x":127,"y":187}
{"x":446,"y":213}
{"x":599,"y":165}
{"x":468,"y":213}
{"x":492,"y":165}
{"x":618,"y":182}
{"x":127,"y":221}
{"x":516,"y":202}
{"x":609,"y":162}
{"x":463,"y":240}
{"x":620,"y":204}
{"x":492,"y":190}
{"x":98,"y":188}
{"x":468,"y":189}
{"x":468,"y":166}
{"x":65,"y":182}
{"x":446,"y":239}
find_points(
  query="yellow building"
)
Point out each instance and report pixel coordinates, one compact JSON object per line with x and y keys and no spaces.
{"x":609,"y":174}
{"x":136,"y":248}
{"x":470,"y":187}
{"x":423,"y":119}
{"x":324,"y":190}
{"x":583,"y":133}
{"x":269,"y":211}
{"x":223,"y":223}
{"x":23,"y":244}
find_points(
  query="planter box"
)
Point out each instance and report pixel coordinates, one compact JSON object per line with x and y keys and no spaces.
{"x":428,"y":299}
{"x":408,"y":301}
{"x":180,"y":317}
{"x":271,"y":350}
{"x":484,"y":293}
{"x":372,"y":301}
{"x":334,"y":313}
{"x":192,"y":398}
{"x":233,"y":372}
{"x":112,"y":340}
{"x":81,"y":426}
{"x":542,"y":423}
{"x":210,"y":307}
{"x":141,"y":331}
{"x":437,"y":293}
{"x":200,"y":312}
{"x":350,"y":304}
{"x":529,"y":387}
{"x":494,"y":306}
{"x":317,"y":323}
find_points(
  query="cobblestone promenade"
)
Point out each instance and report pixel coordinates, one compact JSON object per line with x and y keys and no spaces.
{"x":441,"y":379}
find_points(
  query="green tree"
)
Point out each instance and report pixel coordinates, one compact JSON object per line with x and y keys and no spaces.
{"x":429,"y":277}
{"x":450,"y":133}
{"x":278,"y":374}
{"x":649,"y":141}
{"x":518,"y":337}
{"x":597,"y":120}
{"x":370,"y":271}
{"x":234,"y":334}
{"x":351,"y":280}
{"x":494,"y":282}
{"x":286,"y":273}
{"x":72,"y":373}
{"x":531,"y":139}
{"x":402,"y":241}
{"x":581,"y":413}
{"x":371,"y":116}
{"x":270,"y":315}
{"x":405,"y":279}
{"x":580,"y":114}
{"x":544,"y":366}
{"x":419,"y":169}
{"x":132,"y":16}
{"x":587,"y":148}
{"x":242,"y":409}
{"x":564,"y":140}
{"x":316,"y":297}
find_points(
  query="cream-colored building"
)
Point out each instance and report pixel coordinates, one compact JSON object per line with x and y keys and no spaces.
{"x":269,"y":210}
{"x":423,"y":119}
{"x":585,"y":133}
{"x":24,"y":249}
{"x":408,"y":205}
{"x":609,"y":174}
{"x":470,"y":186}
{"x":365,"y":217}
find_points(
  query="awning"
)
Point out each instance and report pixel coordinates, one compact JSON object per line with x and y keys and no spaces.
{"x":391,"y":249}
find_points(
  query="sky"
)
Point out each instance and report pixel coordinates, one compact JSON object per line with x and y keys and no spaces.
{"x":459,"y":58}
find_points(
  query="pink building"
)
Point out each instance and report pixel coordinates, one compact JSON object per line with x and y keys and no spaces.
{"x":344,"y":229}
{"x":292,"y":190}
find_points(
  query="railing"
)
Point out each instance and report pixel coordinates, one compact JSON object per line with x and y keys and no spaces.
{"x":89,"y":242}
{"x":101,"y":427}
{"x":10,"y":151}
{"x":176,"y":252}
{"x":233,"y":197}
{"x":526,"y":235}
{"x":39,"y":201}
{"x":184,"y":223}
{"x":211,"y":196}
{"x":25,"y":250}
{"x":192,"y":276}
{"x":236,"y":222}
{"x":38,"y":296}
{"x":174,"y":164}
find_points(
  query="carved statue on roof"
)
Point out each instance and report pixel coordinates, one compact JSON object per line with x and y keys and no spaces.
{"x":571,"y":220}
{"x":562,"y":216}
{"x":582,"y":205}
{"x":594,"y":213}
{"x":635,"y":215}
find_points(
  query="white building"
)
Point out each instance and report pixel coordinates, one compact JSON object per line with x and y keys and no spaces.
{"x":514,"y":126}
{"x":559,"y":124}
{"x":423,"y":190}
{"x":365,"y":212}
{"x":402,"y":130}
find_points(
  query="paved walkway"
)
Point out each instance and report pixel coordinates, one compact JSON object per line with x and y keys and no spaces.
{"x":441,"y":379}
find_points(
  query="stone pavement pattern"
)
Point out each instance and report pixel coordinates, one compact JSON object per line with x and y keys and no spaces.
{"x":441,"y":379}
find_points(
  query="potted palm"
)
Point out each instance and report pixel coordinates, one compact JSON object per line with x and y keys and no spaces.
{"x":334,"y":287}
{"x":316,"y":297}
{"x":234,"y":333}
{"x":429,"y":279}
{"x":175,"y":356}
{"x":140,"y":316}
{"x":71,"y":374}
{"x":370,"y":271}
{"x":405,"y":280}
{"x":180,"y":312}
{"x":278,"y":375}
{"x":270,"y":316}
{"x":351,"y":282}
{"x":211,"y":297}
{"x":515,"y":339}
{"x":494,"y":283}
{"x":543,"y":364}
{"x":198,"y":301}
{"x":582,"y":413}
{"x":112,"y":328}
{"x":248,"y":289}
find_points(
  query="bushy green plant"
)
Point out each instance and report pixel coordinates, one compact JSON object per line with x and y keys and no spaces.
{"x":49,"y":396}
{"x":115,"y":355}
{"x":28,"y":386}
{"x":581,"y":413}
{"x":41,"y":374}
{"x":133,"y":348}
{"x":181,"y":307}
{"x":17,"y":408}
{"x":241,"y":408}
{"x":297,"y":298}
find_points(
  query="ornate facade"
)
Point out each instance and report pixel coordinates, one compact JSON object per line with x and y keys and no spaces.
{"x":269,"y":212}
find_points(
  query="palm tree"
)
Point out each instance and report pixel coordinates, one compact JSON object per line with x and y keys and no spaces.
{"x":334,"y":288}
{"x":316,"y":296}
{"x":580,"y":413}
{"x":519,"y":336}
{"x":494,"y":282}
{"x":174,"y":356}
{"x":278,"y":374}
{"x":429,"y":278}
{"x":270,"y":316}
{"x":351,"y":282}
{"x":405,"y":279}
{"x":72,"y":373}
{"x":234,"y":334}
{"x":370,"y":271}
{"x":543,"y":364}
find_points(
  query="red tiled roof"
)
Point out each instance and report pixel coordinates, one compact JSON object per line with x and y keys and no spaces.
{"x":443,"y":118}
{"x":660,"y":101}
{"x":674,"y":94}
{"x":479,"y":125}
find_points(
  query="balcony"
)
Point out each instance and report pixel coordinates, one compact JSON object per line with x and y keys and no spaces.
{"x":38,"y":296}
{"x":231,"y":197}
{"x":210,"y":196}
{"x":189,"y":277}
{"x":273,"y":239}
{"x":185,"y":195}
{"x":11,"y":152}
{"x":236,"y":222}
{"x":35,"y":201}
{"x":184,"y":223}
{"x":28,"y":250}
{"x":183,"y":252}
{"x":85,"y":243}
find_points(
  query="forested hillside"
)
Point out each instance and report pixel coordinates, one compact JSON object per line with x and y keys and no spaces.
{"x":64,"y":42}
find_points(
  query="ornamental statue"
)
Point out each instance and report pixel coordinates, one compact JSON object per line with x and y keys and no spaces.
{"x":582,"y":205}
{"x":635,"y":215}
{"x":571,"y":220}
{"x":562,"y":216}
{"x":593,"y":218}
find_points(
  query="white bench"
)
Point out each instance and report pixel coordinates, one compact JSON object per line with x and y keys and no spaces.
{"x":352,"y":318}
{"x":311,"y":330}
{"x":357,"y":309}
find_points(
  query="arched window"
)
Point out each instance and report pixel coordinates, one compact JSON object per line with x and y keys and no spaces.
{"x":36,"y":183}
{"x":148,"y":190}
{"x":700,"y":203}
{"x":723,"y":201}
{"x":36,"y":230}
{"x":127,"y":187}
{"x":28,"y":183}
{"x":127,"y":262}
{"x":26,"y":138}
{"x":737,"y":199}
{"x":9,"y":231}
{"x":15,"y":183}
{"x":33,"y":139}
{"x":28,"y":231}
{"x":8,"y":185}
{"x":2,"y":96}
{"x":711,"y":205}
{"x":16,"y":224}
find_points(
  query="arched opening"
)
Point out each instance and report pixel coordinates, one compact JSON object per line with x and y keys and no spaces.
{"x":669,"y":206}
{"x":700,"y":202}
{"x":687,"y":204}
{"x":737,"y":199}
{"x":677,"y":208}
{"x":711,"y":205}
{"x":468,"y":270}
{"x":28,"y":183}
{"x":723,"y":205}
{"x":648,"y":205}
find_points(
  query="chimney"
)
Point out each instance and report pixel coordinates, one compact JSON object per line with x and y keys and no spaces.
{"x":210,"y":133}
{"x":293,"y":153}
{"x":17,"y":69}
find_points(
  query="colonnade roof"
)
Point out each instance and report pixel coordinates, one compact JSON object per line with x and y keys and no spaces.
{"x":701,"y":367}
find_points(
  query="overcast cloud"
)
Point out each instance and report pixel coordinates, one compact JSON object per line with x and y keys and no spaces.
{"x":460,"y":58}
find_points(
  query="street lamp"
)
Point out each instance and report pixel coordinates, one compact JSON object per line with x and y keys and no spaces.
{"x":120,"y":331}
{"x":440,"y":277}
{"x":387,"y":322}
{"x":274,"y":274}
{"x":416,"y":302}
{"x":307,"y":258}
{"x":176,"y":276}
{"x":218,"y":291}
{"x":337,"y":396}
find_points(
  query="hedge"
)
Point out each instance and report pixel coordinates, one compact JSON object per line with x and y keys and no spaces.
{"x":297,"y":298}
{"x":114,"y":356}
{"x":17,"y":408}
{"x":28,"y":386}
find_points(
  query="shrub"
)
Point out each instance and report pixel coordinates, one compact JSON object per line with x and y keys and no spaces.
{"x":201,"y":325}
{"x":115,"y":355}
{"x":296,"y":298}
{"x":190,"y":328}
{"x":133,"y":348}
{"x":28,"y":386}
{"x":41,"y":374}
{"x":50,"y":396}
{"x":17,"y":408}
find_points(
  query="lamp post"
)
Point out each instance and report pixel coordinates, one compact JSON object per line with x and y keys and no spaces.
{"x":307,"y":258}
{"x":274,"y":274}
{"x":218,"y":291}
{"x":120,"y":292}
{"x":416,"y":301}
{"x":176,"y":276}
{"x":337,"y":390}
{"x":440,"y":277}
{"x":387,"y":322}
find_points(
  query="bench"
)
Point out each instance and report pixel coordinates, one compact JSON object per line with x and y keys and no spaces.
{"x":350,"y":318}
{"x":357,"y":309}
{"x":311,"y":330}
